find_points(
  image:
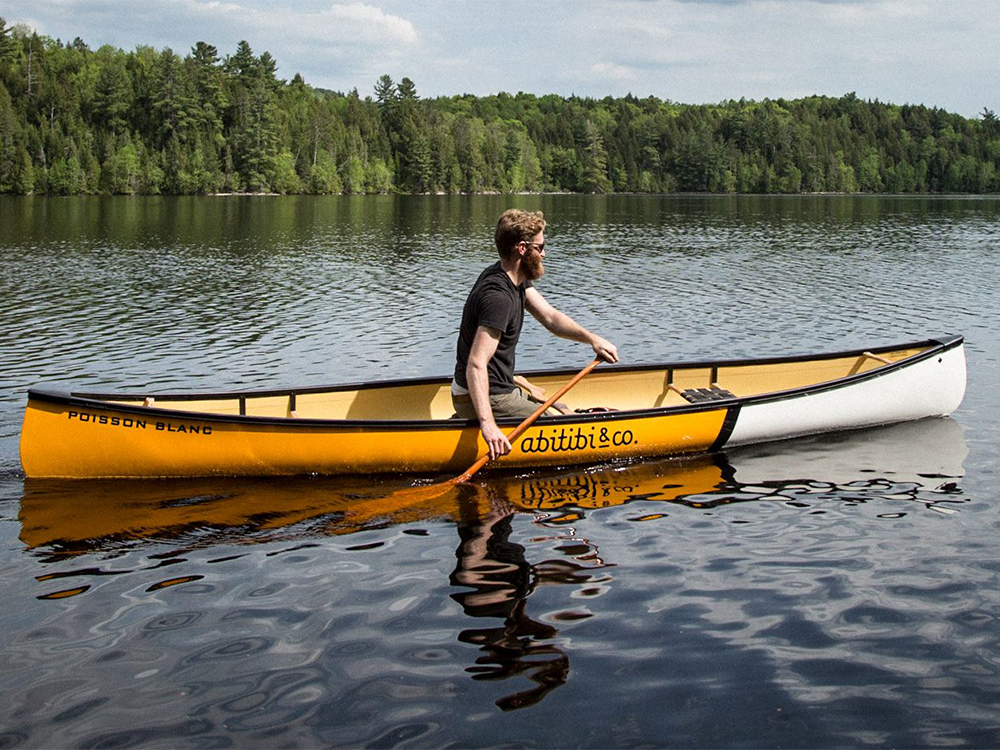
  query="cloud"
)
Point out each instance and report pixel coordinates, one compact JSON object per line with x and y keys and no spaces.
{"x":182,"y":22}
{"x":751,"y":2}
{"x":354,"y":23}
{"x":612,"y":71}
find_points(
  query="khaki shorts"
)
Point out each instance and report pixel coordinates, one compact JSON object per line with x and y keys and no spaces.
{"x":513,"y":404}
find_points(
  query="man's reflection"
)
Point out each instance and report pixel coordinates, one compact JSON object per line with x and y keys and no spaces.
{"x":501,"y":580}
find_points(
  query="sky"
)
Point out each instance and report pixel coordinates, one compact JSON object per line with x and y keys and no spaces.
{"x":942,"y":53}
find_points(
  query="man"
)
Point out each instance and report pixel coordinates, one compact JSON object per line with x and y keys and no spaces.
{"x":485,"y":387}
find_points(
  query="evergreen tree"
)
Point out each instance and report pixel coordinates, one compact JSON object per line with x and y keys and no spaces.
{"x":11,"y":148}
{"x":595,"y":166}
{"x":113,"y":94}
{"x":175,"y":103}
{"x":8,"y":47}
{"x":406,"y":91}
{"x":385,"y":93}
{"x":252,"y":134}
{"x":209,"y":91}
{"x":990,"y":123}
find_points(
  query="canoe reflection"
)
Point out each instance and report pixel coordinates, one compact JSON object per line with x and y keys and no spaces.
{"x":494,"y":576}
{"x":72,"y":517}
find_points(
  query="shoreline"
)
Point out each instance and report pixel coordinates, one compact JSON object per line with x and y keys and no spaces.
{"x":823,"y":194}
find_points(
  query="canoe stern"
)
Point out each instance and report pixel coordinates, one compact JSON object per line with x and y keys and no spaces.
{"x":933,"y":386}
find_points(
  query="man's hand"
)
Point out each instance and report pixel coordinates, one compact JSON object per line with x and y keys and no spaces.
{"x":604,"y":349}
{"x":496,"y":441}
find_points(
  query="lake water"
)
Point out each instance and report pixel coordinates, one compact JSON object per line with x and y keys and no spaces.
{"x":826,"y":592}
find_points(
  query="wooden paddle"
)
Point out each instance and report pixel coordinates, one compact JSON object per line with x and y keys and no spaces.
{"x":433,"y":490}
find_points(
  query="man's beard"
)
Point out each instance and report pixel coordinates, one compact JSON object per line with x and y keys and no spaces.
{"x":531,"y":264}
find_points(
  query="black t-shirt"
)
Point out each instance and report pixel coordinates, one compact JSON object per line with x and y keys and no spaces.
{"x":496,"y":303}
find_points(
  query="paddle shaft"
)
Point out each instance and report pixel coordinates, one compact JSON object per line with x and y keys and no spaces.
{"x":516,"y":432}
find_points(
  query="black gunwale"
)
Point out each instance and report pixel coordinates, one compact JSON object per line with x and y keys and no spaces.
{"x":100,"y":401}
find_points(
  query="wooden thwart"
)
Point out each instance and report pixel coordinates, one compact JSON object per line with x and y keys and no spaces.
{"x":877,"y":358}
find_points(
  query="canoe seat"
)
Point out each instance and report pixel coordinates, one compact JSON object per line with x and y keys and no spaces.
{"x":715,"y":393}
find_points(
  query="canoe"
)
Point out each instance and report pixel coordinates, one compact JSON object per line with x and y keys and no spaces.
{"x":407,"y":426}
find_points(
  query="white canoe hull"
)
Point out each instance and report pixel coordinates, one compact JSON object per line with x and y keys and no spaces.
{"x":928,"y":388}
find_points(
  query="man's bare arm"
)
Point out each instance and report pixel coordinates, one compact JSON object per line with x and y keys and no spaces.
{"x":484,"y":346}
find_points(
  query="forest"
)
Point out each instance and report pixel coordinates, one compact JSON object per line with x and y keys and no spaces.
{"x":79,"y":121}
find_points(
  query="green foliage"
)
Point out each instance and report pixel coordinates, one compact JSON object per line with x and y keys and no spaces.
{"x":73,"y":120}
{"x":323,"y":177}
{"x":378,"y":178}
{"x":121,"y":171}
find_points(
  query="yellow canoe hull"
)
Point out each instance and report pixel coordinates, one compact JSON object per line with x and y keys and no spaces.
{"x":74,"y":441}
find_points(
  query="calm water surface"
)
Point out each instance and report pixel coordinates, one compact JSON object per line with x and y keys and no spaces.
{"x":826,"y":592}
